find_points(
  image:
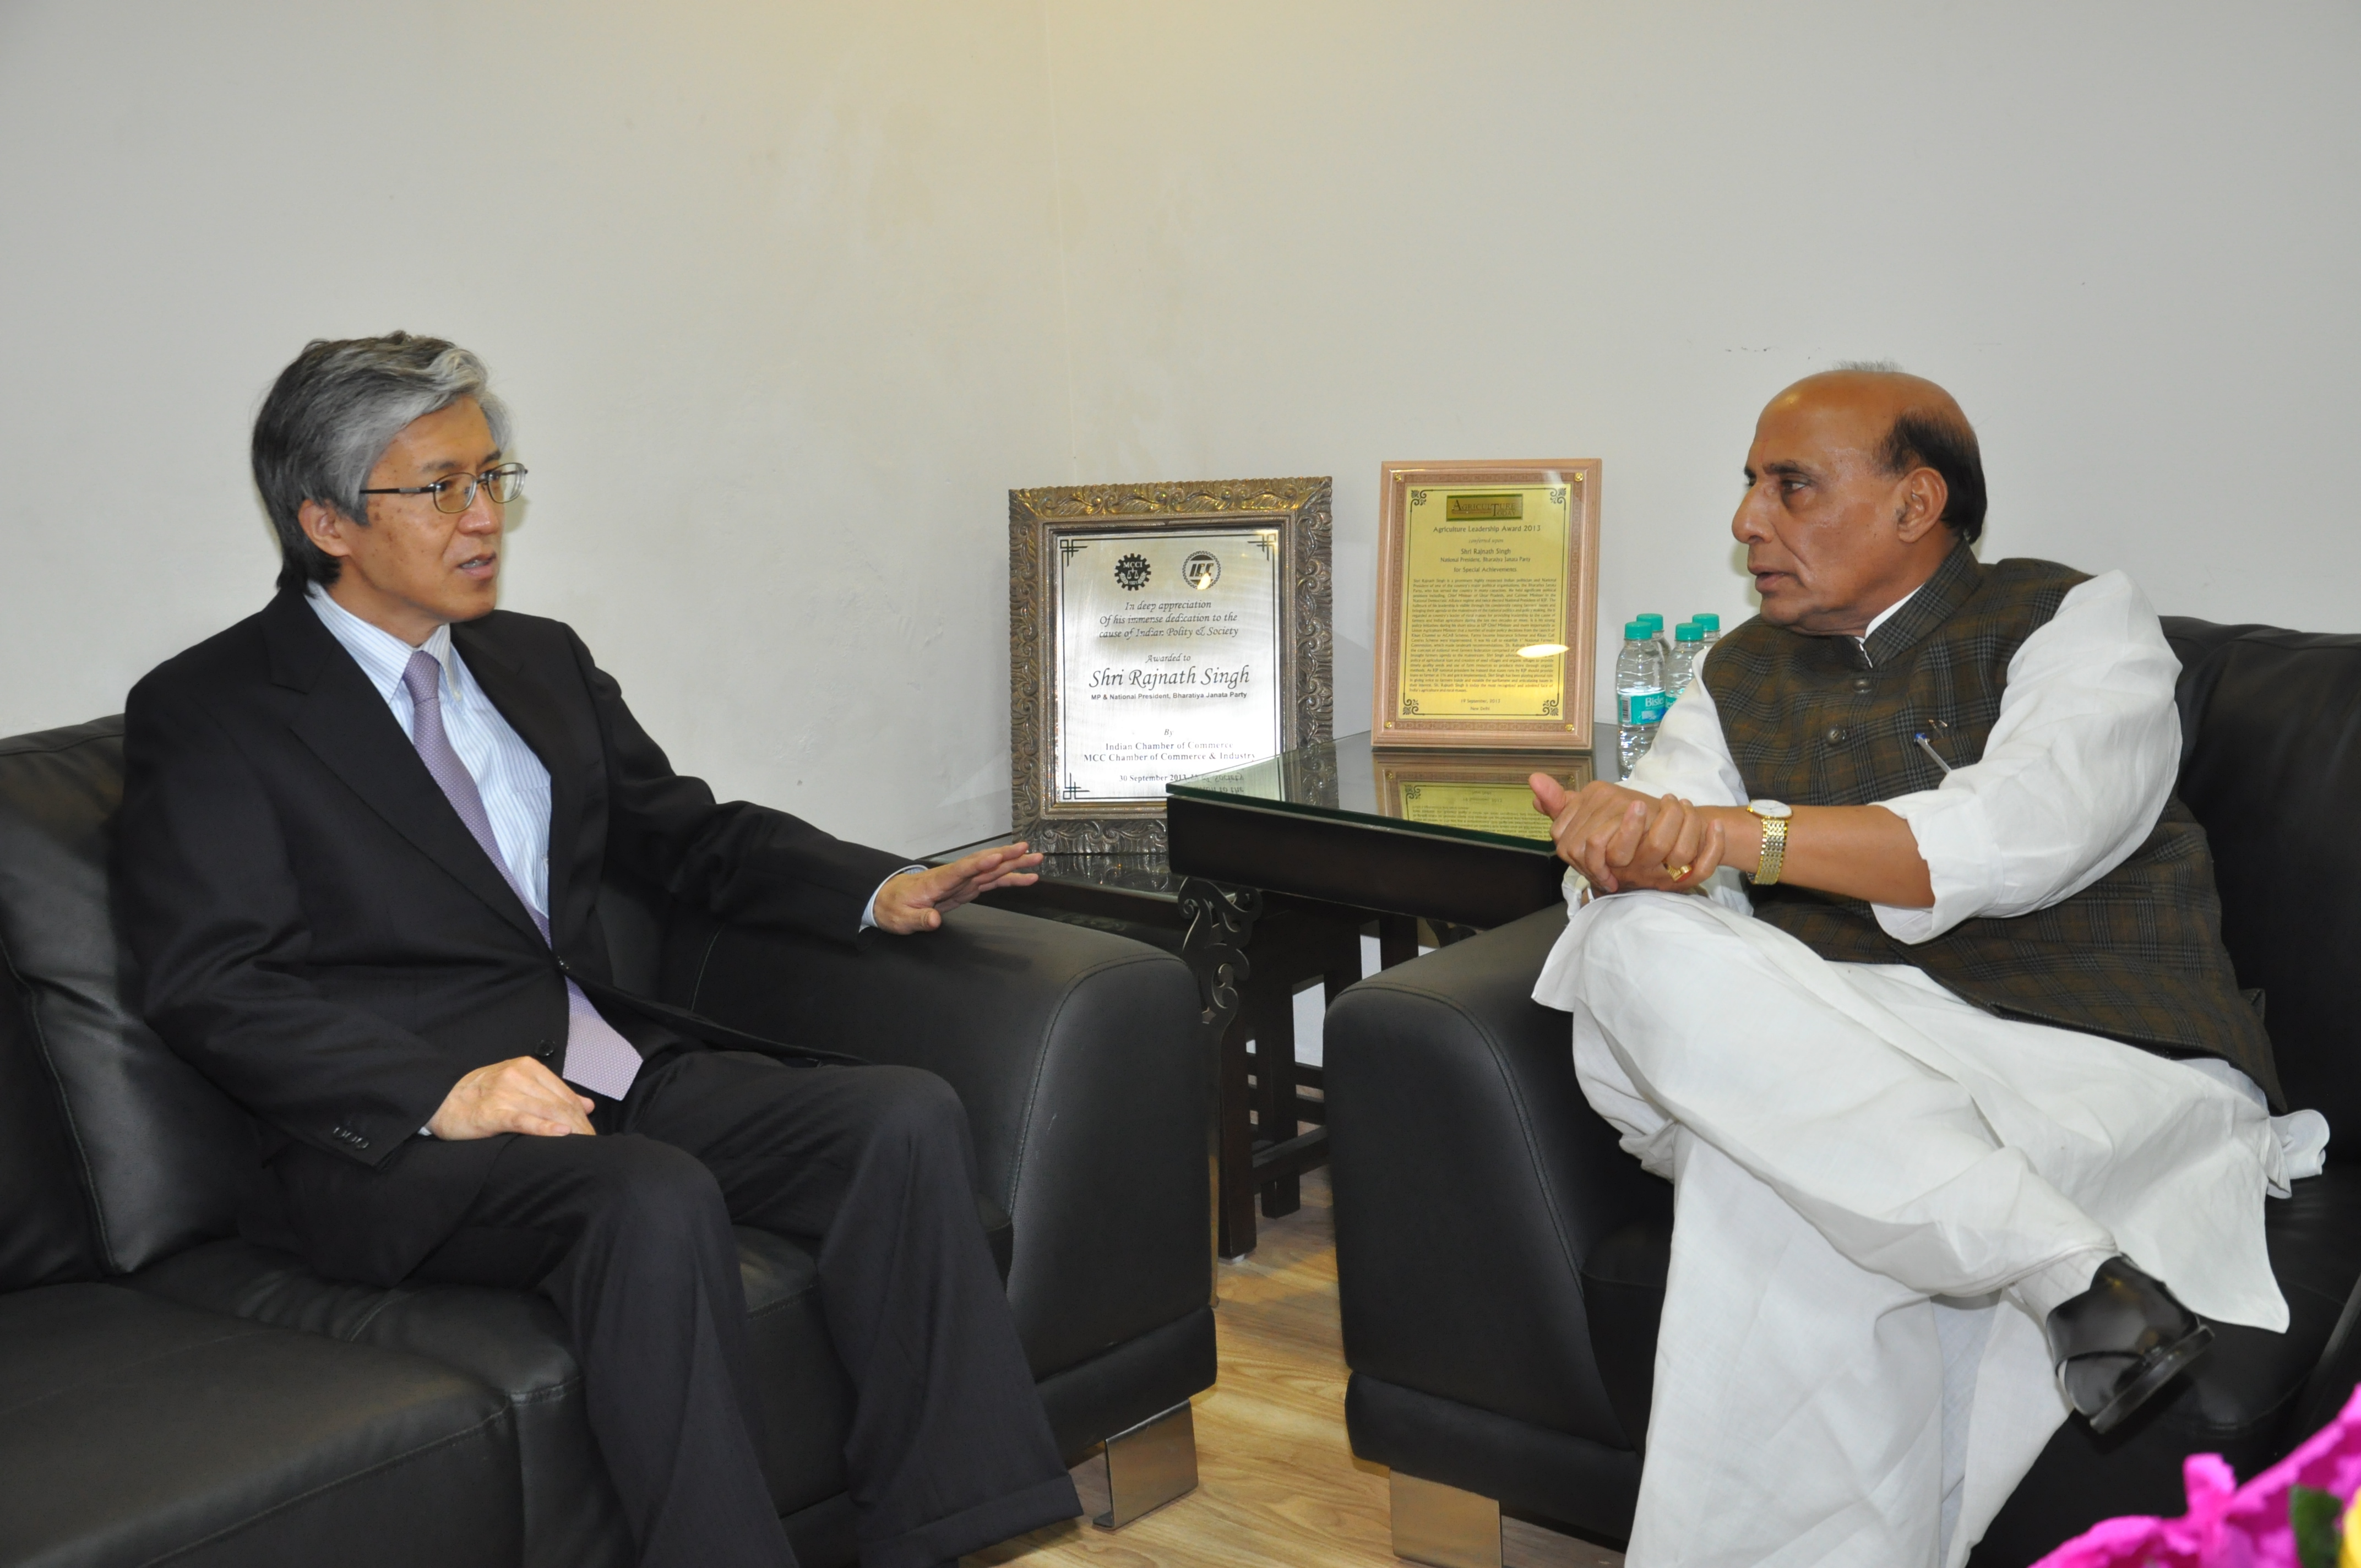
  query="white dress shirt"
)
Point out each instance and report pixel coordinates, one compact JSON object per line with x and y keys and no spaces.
{"x":508,"y":775}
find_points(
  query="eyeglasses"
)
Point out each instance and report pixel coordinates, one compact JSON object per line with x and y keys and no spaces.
{"x":457,"y":492}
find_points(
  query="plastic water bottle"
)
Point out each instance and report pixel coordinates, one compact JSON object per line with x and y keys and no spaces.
{"x":1688,"y":648}
{"x":1638,"y":695}
{"x":1710,"y":624}
{"x":1656,"y":631}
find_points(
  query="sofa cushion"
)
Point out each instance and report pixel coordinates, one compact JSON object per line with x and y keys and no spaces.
{"x":515,"y":1342}
{"x":163,"y":1154}
{"x":131,"y":1428}
{"x":509,"y":1341}
{"x":45,"y":1232}
{"x":2271,"y":741}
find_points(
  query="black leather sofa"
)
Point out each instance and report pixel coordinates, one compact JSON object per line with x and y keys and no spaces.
{"x":169,"y":1391}
{"x":1502,"y":1263}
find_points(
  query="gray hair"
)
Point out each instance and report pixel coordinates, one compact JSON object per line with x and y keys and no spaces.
{"x":331,"y":415}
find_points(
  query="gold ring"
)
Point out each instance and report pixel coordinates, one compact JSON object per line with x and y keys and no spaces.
{"x":1676,"y":872}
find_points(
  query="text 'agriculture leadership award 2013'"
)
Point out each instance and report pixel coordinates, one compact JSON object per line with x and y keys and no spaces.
{"x":1167,"y":658}
{"x":1487,"y":592}
{"x":1484,"y":601}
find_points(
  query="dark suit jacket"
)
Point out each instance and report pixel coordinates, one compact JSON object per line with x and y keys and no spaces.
{"x":318,"y":933}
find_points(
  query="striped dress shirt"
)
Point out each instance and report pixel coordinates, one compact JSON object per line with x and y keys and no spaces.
{"x":510,"y":778}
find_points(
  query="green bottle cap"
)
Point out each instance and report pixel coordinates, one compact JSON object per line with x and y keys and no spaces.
{"x":1637,"y":631}
{"x":1688,"y":631}
{"x":1709,"y":622}
{"x":1656,"y":622}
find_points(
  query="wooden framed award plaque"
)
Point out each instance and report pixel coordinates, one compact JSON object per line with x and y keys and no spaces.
{"x":1488,"y":593}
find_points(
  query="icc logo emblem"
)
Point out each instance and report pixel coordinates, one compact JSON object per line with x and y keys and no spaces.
{"x":1201,"y":570}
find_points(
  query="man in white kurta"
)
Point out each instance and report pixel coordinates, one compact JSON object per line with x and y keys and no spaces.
{"x":1883,"y":1192}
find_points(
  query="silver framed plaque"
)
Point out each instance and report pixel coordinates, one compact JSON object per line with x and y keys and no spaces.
{"x":1158,"y":632}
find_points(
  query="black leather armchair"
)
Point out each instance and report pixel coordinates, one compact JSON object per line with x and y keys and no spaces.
{"x":166,"y":1387}
{"x":1502,"y":1262}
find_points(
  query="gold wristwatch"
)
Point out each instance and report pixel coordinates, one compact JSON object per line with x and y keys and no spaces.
{"x":1774,"y":815}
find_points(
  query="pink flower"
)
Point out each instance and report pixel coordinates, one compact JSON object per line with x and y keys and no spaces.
{"x":2227,"y":1524}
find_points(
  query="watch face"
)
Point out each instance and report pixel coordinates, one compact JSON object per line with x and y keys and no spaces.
{"x":1770,"y":808}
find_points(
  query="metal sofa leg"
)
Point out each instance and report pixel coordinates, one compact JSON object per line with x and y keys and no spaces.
{"x":1444,"y":1526}
{"x":1149,"y":1465}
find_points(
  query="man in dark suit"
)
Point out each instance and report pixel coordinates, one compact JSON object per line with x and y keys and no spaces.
{"x":361,"y":840}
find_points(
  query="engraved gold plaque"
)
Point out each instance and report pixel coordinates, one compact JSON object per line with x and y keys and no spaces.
{"x":1488,"y":589}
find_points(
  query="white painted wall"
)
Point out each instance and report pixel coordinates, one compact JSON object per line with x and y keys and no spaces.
{"x":787,"y":297}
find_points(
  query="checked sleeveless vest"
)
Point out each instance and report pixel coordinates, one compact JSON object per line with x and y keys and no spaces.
{"x":2136,"y":956}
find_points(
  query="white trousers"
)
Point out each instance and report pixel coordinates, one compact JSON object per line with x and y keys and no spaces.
{"x":1880,"y":1192}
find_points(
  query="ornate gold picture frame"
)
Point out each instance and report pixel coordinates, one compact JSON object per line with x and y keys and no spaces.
{"x":1157,"y":631}
{"x":1487,"y":592}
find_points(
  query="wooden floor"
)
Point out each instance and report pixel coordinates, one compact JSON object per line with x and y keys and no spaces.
{"x":1278,"y":1484}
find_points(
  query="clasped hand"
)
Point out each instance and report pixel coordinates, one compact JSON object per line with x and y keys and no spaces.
{"x":1623,"y":839}
{"x":519,"y":1095}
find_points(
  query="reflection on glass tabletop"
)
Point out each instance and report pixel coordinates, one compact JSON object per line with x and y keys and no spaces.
{"x":1476,"y":795}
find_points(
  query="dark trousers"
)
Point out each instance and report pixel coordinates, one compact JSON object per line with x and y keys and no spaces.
{"x":948,"y":1450}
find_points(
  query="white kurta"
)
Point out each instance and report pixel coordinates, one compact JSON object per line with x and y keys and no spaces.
{"x":1881,"y":1189}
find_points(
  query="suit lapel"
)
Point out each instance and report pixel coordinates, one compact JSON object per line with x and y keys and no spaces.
{"x":534,"y":713}
{"x":348,"y":726}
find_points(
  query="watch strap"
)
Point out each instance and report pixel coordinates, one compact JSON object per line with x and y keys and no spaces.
{"x":1775,"y":851}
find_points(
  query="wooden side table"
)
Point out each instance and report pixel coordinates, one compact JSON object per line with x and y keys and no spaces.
{"x":1250,"y":952}
{"x":1274,"y":872}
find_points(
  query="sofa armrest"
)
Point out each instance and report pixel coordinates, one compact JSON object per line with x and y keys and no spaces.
{"x":1087,"y":1078}
{"x":1472,"y":1180}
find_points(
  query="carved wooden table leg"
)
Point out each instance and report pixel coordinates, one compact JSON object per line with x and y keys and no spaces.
{"x":1233,"y":1191}
{"x":1220,"y":922}
{"x":1271,"y":1014}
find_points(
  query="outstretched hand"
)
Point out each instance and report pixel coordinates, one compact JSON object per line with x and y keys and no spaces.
{"x":917,"y":901}
{"x":1621,"y":839}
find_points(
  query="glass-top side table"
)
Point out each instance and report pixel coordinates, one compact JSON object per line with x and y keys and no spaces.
{"x":1479,"y":796}
{"x":1273,"y":872}
{"x":1449,"y":837}
{"x":1290,"y":857}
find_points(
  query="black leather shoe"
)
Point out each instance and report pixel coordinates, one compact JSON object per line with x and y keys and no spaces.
{"x":2122,"y":1340}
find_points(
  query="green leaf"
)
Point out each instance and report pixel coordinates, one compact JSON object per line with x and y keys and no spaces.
{"x":2313,"y":1514}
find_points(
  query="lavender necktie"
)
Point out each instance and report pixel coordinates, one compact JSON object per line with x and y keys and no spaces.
{"x":596,"y":1058}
